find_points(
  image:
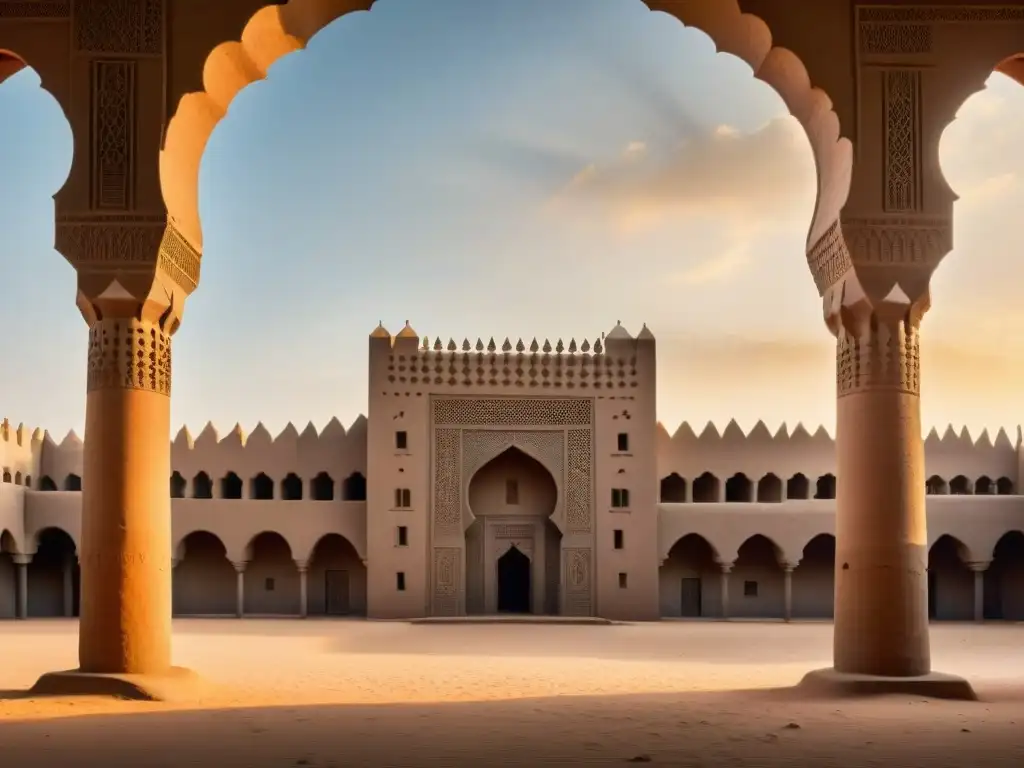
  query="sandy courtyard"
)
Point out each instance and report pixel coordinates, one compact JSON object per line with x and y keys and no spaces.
{"x":356,"y":693}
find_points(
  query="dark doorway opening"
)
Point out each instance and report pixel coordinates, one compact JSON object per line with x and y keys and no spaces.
{"x":514,"y":582}
{"x":690,"y":601}
{"x":336,"y":593}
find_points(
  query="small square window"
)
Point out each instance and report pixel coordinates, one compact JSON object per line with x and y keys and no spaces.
{"x":403,"y":536}
{"x":750,"y":589}
{"x":400,"y":581}
{"x":623,"y":442}
{"x":619,"y":538}
{"x":623,"y":581}
{"x":512,"y":491}
{"x":620,"y":498}
{"x":401,"y":441}
{"x":269,"y":585}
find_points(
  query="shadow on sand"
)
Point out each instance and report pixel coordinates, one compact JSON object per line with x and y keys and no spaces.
{"x":766,"y":728}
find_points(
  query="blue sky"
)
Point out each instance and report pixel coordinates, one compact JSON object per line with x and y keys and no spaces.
{"x":510,"y":168}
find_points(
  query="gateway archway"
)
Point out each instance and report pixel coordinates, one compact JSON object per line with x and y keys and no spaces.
{"x":515,"y":587}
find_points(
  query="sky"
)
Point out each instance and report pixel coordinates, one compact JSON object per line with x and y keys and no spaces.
{"x":519,"y":168}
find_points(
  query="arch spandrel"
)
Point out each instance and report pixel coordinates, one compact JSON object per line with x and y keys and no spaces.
{"x":276,"y":30}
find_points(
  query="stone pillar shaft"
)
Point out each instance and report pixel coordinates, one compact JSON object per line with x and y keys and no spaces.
{"x":303,"y":589}
{"x":979,"y":590}
{"x":240,"y":589}
{"x":126,"y":511}
{"x":69,"y":587}
{"x":726,"y":570}
{"x":22,"y":562}
{"x":881,"y":611}
{"x":788,"y":585}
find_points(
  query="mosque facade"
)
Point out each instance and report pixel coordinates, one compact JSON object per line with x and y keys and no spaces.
{"x":495,"y":478}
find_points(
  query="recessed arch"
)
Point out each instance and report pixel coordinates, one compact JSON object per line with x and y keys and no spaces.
{"x":291,"y":487}
{"x":321,"y":487}
{"x":769,"y":488}
{"x":707,"y":489}
{"x":204,"y":579}
{"x":336,"y":580}
{"x":960,"y":486}
{"x":353,"y":487}
{"x":277,"y":30}
{"x":536,"y":491}
{"x":759,"y":579}
{"x":798,"y":487}
{"x":1004,"y":579}
{"x":689,"y":579}
{"x":178,"y":484}
{"x":271,"y":576}
{"x":825,"y":488}
{"x":936,"y":486}
{"x":673,"y":489}
{"x":53,"y":574}
{"x":814,"y":579}
{"x":950,"y":581}
{"x":738,"y":488}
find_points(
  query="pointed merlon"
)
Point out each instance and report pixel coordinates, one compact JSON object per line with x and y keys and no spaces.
{"x":407,"y":332}
{"x":645,"y":334}
{"x":506,"y":345}
{"x":380,"y":332}
{"x":618,"y":332}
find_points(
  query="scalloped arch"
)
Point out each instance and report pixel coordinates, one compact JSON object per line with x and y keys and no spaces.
{"x":277,"y":30}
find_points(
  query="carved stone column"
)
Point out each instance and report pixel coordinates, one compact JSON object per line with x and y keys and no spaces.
{"x":726,"y":569}
{"x":979,"y":569}
{"x":787,"y":570}
{"x":240,"y":587}
{"x":303,"y":568}
{"x":21,"y":563}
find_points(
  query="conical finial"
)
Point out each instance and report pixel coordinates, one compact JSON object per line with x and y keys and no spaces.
{"x":426,"y":343}
{"x":520,"y":347}
{"x":585,"y":346}
{"x":559,"y":347}
{"x":479,"y":345}
{"x":598,"y":347}
{"x":437,"y":344}
{"x":506,"y":346}
{"x":534,"y":346}
{"x":546,"y":347}
{"x":491,"y":346}
{"x":572,"y":345}
{"x":466,"y":346}
{"x":451,"y":345}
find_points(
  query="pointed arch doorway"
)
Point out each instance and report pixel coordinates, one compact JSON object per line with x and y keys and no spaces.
{"x":515,"y":587}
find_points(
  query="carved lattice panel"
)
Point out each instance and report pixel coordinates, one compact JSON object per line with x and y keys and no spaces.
{"x":447,"y":507}
{"x":902,"y":167}
{"x":447,"y":580}
{"x":527,"y":412}
{"x":113,"y":125}
{"x":578,"y":581}
{"x":578,"y":482}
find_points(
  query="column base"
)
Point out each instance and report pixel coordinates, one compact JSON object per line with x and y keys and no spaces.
{"x":832,"y":684}
{"x":177,"y":684}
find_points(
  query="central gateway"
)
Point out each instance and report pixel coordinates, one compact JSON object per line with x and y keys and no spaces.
{"x":479,"y":559}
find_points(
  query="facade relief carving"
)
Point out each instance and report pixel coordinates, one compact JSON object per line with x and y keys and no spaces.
{"x":113,"y":125}
{"x":110,"y":242}
{"x":829,"y":258}
{"x":877,"y":355}
{"x":129,"y":354}
{"x":901,"y":101}
{"x":35,"y":9}
{"x":132,"y":27}
{"x":899,"y":241}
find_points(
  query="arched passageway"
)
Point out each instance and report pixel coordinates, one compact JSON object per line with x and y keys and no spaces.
{"x":757,"y":588}
{"x":814,"y":579}
{"x":936,"y":486}
{"x":202,"y":486}
{"x":204,"y":581}
{"x":690,"y":581}
{"x":353,"y":487}
{"x":178,"y":484}
{"x":291,"y":487}
{"x":798,"y":487}
{"x":53,"y":576}
{"x":673,"y":489}
{"x":738,"y":488}
{"x":1004,"y":579}
{"x":321,"y":487}
{"x":512,"y":497}
{"x":950,"y":581}
{"x":960,"y":486}
{"x":272,"y":585}
{"x":515,"y":588}
{"x":769,"y":489}
{"x":336,"y":580}
{"x":825,"y":487}
{"x":231,"y":486}
{"x":261,"y":488}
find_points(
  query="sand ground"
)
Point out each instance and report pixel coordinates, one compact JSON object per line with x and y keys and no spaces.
{"x":357,"y":693}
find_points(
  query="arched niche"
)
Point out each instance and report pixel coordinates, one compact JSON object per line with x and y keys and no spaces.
{"x":707,"y":489}
{"x":739,"y":488}
{"x":673,"y":489}
{"x":279,"y":29}
{"x":1004,"y":579}
{"x":353,"y":487}
{"x":757,"y":588}
{"x":271,"y":577}
{"x":936,"y":486}
{"x":814,"y":579}
{"x":8,"y":576}
{"x":769,"y":488}
{"x":950,"y":581}
{"x":798,"y":487}
{"x":336,"y":580}
{"x":689,"y":580}
{"x":204,"y":580}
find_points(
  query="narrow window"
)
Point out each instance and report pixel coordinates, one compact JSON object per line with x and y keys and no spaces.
{"x":623,"y":581}
{"x":620,"y":498}
{"x":400,"y":581}
{"x":403,"y":536}
{"x":512,"y":491}
{"x":618,"y":538}
{"x":401,"y":440}
{"x":270,"y":585}
{"x":623,"y":442}
{"x":750,"y":589}
{"x":403,"y":498}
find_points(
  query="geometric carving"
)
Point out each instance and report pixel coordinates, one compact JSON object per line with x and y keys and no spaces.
{"x":519,"y":411}
{"x":829,"y":258}
{"x":110,"y":242}
{"x":129,"y":354}
{"x":447,"y":495}
{"x":918,"y":241}
{"x":578,"y":482}
{"x":578,"y":576}
{"x":896,"y":38}
{"x":113,"y":129}
{"x":901,"y":94}
{"x":119,"y":26}
{"x":879,"y":356}
{"x":513,"y":531}
{"x":179,"y":259}
{"x":35,"y":9}
{"x":447,"y":580}
{"x":949,"y":14}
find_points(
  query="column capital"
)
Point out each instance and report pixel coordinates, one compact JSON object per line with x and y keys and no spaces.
{"x":725,"y":567}
{"x":979,"y":566}
{"x":240,"y":565}
{"x":302,"y":565}
{"x":20,"y":559}
{"x":789,"y":567}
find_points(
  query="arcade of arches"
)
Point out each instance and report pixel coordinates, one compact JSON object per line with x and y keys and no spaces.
{"x":889,"y":76}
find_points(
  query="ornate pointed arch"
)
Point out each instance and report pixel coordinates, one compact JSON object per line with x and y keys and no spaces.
{"x":280,"y":29}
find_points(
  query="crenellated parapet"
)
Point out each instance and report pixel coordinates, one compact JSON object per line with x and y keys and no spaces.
{"x":612,"y":364}
{"x":971,"y":461}
{"x":20,"y":450}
